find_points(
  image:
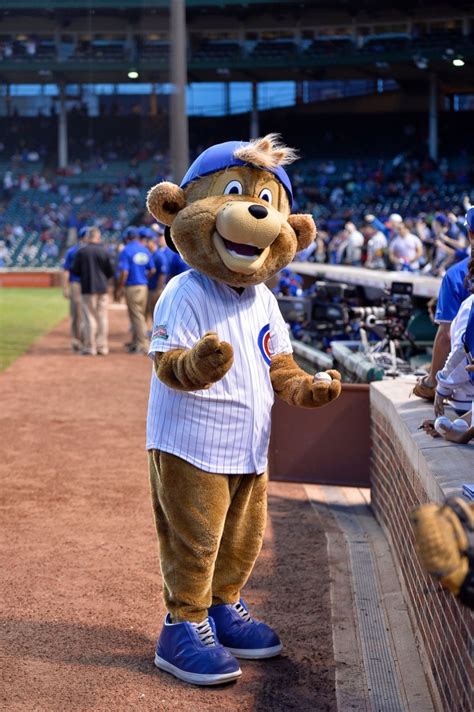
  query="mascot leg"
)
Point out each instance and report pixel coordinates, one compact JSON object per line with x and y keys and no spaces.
{"x":190,"y":507}
{"x":240,"y":545}
{"x":242,"y":537}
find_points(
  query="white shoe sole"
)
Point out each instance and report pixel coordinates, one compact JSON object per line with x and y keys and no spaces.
{"x":196,"y":678}
{"x":256,"y":654}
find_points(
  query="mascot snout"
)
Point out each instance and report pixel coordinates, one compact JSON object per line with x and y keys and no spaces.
{"x":244,"y":233}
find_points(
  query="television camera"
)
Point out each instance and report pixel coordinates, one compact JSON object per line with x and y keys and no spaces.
{"x":330,"y":311}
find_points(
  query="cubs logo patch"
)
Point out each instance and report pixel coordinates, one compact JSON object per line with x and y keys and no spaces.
{"x":160,"y":332}
{"x":264,"y":343}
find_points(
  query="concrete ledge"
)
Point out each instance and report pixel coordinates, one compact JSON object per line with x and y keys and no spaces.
{"x":441,"y":467}
{"x":423,"y":286}
{"x":409,"y":468}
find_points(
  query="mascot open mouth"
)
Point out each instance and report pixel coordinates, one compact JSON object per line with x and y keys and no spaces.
{"x":243,"y":249}
{"x":241,"y":257}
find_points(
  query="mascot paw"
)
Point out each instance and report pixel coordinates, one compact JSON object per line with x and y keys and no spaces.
{"x":326,"y":391}
{"x":212,"y":358}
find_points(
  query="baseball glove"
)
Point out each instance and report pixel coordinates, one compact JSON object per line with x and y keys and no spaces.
{"x":423,"y":391}
{"x":445,"y":543}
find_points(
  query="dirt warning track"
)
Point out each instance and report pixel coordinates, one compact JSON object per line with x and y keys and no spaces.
{"x":81,"y":591}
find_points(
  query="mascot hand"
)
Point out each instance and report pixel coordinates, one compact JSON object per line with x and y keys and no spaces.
{"x":324,"y":390}
{"x":443,"y":542}
{"x":210,"y":358}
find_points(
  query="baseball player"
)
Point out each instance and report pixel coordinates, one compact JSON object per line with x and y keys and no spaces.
{"x":72,"y":291}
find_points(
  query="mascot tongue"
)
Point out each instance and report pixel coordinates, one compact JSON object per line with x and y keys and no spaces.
{"x":241,"y":249}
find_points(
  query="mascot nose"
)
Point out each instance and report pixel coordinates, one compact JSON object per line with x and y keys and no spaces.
{"x":258,"y":211}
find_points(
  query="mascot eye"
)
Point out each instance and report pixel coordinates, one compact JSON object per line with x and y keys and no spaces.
{"x":233,"y":188}
{"x":266,"y":194}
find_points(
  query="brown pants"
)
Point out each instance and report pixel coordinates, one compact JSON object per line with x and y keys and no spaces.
{"x":75,"y":311}
{"x":96,"y":323}
{"x":136,"y":298}
{"x":151,"y":303}
{"x":210,"y":529}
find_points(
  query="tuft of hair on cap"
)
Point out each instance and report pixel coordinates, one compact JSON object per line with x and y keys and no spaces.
{"x":266,"y":152}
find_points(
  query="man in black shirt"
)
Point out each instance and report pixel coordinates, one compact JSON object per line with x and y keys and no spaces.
{"x":92,"y":264}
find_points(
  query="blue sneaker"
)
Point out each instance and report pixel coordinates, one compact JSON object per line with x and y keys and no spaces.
{"x":191,"y":652}
{"x":241,"y":635}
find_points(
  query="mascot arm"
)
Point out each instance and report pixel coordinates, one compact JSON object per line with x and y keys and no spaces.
{"x":197,"y":368}
{"x":296,"y":387}
{"x":445,"y":543}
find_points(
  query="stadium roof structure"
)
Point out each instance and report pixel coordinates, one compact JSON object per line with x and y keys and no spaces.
{"x":404,"y":59}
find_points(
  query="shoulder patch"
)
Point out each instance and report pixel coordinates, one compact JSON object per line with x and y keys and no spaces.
{"x":160,"y":332}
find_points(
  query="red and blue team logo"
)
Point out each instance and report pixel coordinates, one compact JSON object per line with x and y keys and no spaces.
{"x":264,"y":343}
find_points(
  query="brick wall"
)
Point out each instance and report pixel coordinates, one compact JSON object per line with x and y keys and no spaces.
{"x":445,"y":627}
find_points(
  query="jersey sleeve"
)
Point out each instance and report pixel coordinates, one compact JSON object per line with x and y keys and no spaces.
{"x":451,"y":376}
{"x":279,"y":334}
{"x":68,"y":260}
{"x":449,"y":299}
{"x":123,"y":262}
{"x":175,"y":324}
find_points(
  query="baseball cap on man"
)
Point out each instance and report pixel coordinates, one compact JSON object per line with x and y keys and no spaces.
{"x":221,"y":156}
{"x":130,"y":233}
{"x":441,"y":219}
{"x":83,"y":232}
{"x":469,"y":222}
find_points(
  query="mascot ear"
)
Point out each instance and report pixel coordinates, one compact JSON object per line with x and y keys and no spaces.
{"x":305,"y":230}
{"x":164,"y":201}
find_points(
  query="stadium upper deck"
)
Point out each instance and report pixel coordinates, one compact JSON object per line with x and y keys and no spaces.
{"x":232,"y":40}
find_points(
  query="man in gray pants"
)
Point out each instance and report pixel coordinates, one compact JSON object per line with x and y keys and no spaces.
{"x":92,"y":264}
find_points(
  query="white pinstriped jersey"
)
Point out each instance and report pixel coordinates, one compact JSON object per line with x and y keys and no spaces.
{"x":226,"y":428}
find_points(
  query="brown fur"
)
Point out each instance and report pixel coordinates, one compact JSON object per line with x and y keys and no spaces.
{"x":193,"y":227}
{"x":296,"y":387}
{"x":210,"y":529}
{"x":266,"y":152}
{"x":197,"y":368}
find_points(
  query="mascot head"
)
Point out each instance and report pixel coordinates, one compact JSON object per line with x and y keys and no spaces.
{"x":230,"y":217}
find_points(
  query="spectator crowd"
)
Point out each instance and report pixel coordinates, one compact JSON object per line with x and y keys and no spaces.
{"x":404,"y":214}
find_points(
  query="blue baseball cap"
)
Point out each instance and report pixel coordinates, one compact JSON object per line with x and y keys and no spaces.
{"x":469,"y":222}
{"x":442,"y":219}
{"x":221,"y":156}
{"x":82,"y":232}
{"x":130,"y":233}
{"x":146,"y":232}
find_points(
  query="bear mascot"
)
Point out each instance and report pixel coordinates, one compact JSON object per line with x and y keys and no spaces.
{"x":221,"y":350}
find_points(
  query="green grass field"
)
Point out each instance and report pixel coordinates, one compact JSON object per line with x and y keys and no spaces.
{"x":25,"y":315}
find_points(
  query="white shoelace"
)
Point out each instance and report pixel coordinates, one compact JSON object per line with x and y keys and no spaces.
{"x":242,"y":612}
{"x":204,"y":632}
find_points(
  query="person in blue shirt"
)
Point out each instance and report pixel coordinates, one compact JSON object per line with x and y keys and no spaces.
{"x":453,"y":291}
{"x":72,"y":291}
{"x":176,"y":264}
{"x":157,"y":280}
{"x":135,"y":266}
